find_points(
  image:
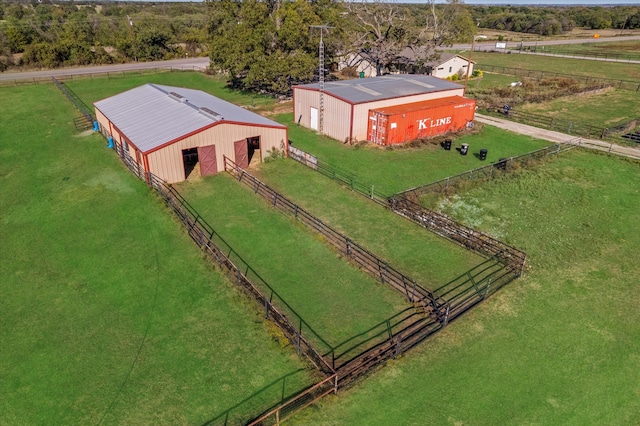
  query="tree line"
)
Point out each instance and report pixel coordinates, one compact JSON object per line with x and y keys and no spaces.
{"x":554,"y":20}
{"x":44,"y":34}
{"x":268,"y":45}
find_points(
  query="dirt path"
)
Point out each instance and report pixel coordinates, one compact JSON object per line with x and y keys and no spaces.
{"x":557,"y":137}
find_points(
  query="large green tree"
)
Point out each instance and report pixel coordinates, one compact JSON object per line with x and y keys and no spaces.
{"x":265,"y":45}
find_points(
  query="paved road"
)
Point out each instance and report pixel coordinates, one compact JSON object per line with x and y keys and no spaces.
{"x":183,"y":64}
{"x":558,"y":137}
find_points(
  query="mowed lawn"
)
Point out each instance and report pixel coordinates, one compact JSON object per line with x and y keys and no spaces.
{"x":430,"y":260}
{"x":391,"y":170}
{"x":336,"y":299}
{"x":559,"y":346}
{"x":95,"y":89}
{"x":108,"y":311}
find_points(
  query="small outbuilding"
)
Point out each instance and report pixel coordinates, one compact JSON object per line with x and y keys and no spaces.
{"x":346,"y":109}
{"x":171,"y":131}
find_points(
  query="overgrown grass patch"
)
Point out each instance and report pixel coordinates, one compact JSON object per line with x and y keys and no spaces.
{"x":108,"y":310}
{"x":613,"y":107}
{"x":558,"y":346}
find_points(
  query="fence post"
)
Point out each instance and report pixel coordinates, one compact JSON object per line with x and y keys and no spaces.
{"x":266,"y":308}
{"x":299,"y":333}
{"x":486,"y":292}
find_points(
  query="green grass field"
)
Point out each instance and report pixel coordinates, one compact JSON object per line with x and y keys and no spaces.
{"x":555,"y":347}
{"x":558,"y":346}
{"x":581,"y":67}
{"x":394,"y":170}
{"x":336,"y":299}
{"x":613,"y":107}
{"x":108,"y":311}
{"x":621,"y":50}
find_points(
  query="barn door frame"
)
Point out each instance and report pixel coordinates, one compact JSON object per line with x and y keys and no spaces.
{"x":208,"y":160}
{"x":241,"y":153}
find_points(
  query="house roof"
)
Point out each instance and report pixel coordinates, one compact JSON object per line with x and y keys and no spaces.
{"x":152,"y":115}
{"x":361,"y":90}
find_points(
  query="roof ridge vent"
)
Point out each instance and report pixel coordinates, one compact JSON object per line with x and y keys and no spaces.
{"x":210,"y":113}
{"x":178,"y":97}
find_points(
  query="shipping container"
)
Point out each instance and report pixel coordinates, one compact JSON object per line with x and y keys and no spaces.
{"x":404,"y":123}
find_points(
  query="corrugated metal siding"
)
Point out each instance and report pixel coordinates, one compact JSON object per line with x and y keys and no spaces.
{"x":337,"y":112}
{"x":361,"y":90}
{"x":303,"y":101}
{"x":408,"y":122}
{"x":361,"y":111}
{"x":167,"y":161}
{"x":337,"y":123}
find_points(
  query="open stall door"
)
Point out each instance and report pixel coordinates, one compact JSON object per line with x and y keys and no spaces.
{"x":241,"y":149}
{"x":208,"y":160}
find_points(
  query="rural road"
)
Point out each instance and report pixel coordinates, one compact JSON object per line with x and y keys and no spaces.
{"x":181,"y":64}
{"x":557,"y":137}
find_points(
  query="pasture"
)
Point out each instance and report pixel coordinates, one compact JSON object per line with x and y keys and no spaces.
{"x":108,"y":311}
{"x":553,"y":347}
{"x":559,"y":345}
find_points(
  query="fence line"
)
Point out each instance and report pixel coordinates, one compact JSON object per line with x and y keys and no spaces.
{"x":540,"y":74}
{"x":369,"y":262}
{"x":488,"y":172}
{"x":384,"y":341}
{"x":298,"y":332}
{"x":445,"y":227}
{"x":586,"y":54}
{"x":344,"y":177}
{"x":94,"y":74}
{"x":407,"y":328}
{"x":86,"y":120}
{"x":571,"y":127}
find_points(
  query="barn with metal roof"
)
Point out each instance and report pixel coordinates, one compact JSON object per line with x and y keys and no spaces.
{"x":173,"y":132}
{"x":341,"y":110}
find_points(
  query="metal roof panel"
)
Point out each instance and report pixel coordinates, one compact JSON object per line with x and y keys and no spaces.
{"x":363,"y":90}
{"x":153,"y":115}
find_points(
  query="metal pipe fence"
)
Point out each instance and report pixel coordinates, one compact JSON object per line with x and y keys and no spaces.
{"x":94,"y":74}
{"x":358,"y":355}
{"x":540,"y":74}
{"x":295,"y":328}
{"x":344,"y":177}
{"x":572,"y":127}
{"x":450,"y":184}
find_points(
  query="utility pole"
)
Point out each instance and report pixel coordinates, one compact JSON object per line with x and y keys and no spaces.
{"x":322,"y":28}
{"x":133,"y":41}
{"x":466,"y":80}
